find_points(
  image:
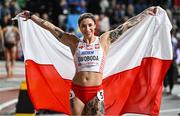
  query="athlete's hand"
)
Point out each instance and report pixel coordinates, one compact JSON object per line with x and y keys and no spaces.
{"x":151,"y":10}
{"x":25,"y":14}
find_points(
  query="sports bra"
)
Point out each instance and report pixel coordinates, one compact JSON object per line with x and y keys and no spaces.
{"x":89,"y":57}
{"x":10,"y":35}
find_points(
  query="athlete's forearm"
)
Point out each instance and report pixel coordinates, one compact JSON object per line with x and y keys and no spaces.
{"x":114,"y":34}
{"x":47,"y":25}
{"x":135,"y":20}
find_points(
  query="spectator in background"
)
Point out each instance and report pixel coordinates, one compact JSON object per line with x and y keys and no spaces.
{"x":104,"y":24}
{"x":97,"y":20}
{"x":82,"y":7}
{"x":140,"y":5}
{"x":178,"y":52}
{"x":11,"y":39}
{"x":73,"y":5}
{"x":6,"y":9}
{"x":104,"y":4}
{"x":130,"y":11}
{"x":119,"y":12}
{"x":178,"y":21}
{"x":62,"y":17}
{"x":63,"y":4}
{"x":1,"y":12}
{"x":170,"y":76}
{"x":1,"y":44}
{"x":14,"y":7}
{"x":45,"y":16}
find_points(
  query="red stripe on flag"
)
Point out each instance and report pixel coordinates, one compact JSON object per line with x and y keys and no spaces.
{"x":46,"y":88}
{"x":138,"y":90}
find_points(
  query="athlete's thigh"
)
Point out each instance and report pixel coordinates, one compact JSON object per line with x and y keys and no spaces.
{"x":76,"y":106}
{"x":7,"y":54}
{"x":13,"y":52}
{"x":95,"y":106}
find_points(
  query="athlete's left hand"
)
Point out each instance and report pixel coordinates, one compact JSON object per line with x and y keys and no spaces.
{"x":151,"y":10}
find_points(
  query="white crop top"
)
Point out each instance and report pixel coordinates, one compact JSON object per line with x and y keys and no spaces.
{"x":89,"y":57}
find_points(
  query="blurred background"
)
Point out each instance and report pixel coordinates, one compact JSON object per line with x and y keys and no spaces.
{"x":65,"y":13}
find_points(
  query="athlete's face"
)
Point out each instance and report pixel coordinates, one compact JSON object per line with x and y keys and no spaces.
{"x":87,"y":27}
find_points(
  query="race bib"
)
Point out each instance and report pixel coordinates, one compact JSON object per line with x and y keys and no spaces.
{"x":100,"y":95}
{"x":72,"y":95}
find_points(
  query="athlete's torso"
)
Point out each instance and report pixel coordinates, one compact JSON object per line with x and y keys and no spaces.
{"x":89,"y":57}
{"x":10,"y":35}
{"x":89,"y":61}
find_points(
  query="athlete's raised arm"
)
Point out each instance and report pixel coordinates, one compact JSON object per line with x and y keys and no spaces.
{"x":114,"y":34}
{"x":64,"y":37}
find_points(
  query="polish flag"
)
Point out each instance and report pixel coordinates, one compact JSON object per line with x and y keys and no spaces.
{"x":133,"y":76}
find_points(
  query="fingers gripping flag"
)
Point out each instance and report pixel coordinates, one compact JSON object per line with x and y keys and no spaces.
{"x":134,"y":71}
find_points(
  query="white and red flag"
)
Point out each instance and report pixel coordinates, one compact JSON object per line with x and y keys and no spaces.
{"x":134,"y":71}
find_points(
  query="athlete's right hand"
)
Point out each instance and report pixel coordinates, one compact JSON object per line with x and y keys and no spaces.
{"x":25,"y":14}
{"x":151,"y":10}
